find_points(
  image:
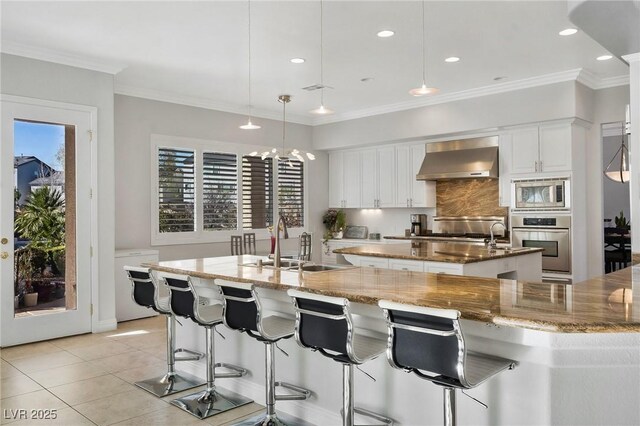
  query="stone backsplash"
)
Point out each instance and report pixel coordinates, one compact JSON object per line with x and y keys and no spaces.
{"x":469,"y":197}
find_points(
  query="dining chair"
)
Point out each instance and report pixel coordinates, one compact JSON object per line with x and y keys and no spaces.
{"x":236,"y":245}
{"x":304,"y":248}
{"x":250,"y":243}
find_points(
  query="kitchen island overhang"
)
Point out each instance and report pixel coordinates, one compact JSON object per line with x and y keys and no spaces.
{"x":578,"y":347}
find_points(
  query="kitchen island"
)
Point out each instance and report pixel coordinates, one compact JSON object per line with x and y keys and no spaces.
{"x":522,"y":263}
{"x":578,"y":347}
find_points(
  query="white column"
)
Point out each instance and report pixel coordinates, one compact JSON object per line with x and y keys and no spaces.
{"x":634,"y":148}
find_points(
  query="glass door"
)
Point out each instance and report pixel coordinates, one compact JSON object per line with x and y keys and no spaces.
{"x":45,"y":222}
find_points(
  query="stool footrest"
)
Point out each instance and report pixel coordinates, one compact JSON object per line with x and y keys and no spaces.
{"x":236,"y":371}
{"x":298,"y":392}
{"x":190,"y":355}
{"x":379,"y":417}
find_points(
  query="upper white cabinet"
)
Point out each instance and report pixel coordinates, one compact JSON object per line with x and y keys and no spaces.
{"x":505,"y":169}
{"x":540,"y":149}
{"x":369,"y":177}
{"x":336,"y":179}
{"x":386,"y":175}
{"x":411,"y":192}
{"x":352,"y":179}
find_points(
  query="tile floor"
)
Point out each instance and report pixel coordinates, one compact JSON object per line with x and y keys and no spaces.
{"x":89,"y":380}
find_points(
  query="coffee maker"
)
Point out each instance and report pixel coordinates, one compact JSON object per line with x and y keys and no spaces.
{"x":418,"y":224}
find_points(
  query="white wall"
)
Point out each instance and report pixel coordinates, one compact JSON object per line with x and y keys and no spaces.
{"x":45,"y":80}
{"x":531,"y":105}
{"x":136,"y":119}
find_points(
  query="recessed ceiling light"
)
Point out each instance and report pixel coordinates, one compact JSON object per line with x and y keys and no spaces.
{"x":452,"y":59}
{"x":385,"y":33}
{"x":297,"y":60}
{"x":568,"y":31}
{"x":604,"y":57}
{"x":366,"y":79}
{"x":502,"y":77}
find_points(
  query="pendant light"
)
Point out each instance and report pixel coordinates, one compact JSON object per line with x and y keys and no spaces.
{"x":423,"y":90}
{"x":249,"y":125}
{"x":322,"y":110}
{"x":623,"y":174}
{"x":283,"y":153}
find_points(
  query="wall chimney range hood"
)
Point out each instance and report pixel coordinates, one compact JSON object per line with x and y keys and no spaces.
{"x":467,"y":158}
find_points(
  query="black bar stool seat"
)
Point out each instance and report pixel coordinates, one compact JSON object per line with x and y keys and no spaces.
{"x":244,"y":312}
{"x":429,"y":342}
{"x":146,"y":291}
{"x":186,"y":301}
{"x":324,"y":324}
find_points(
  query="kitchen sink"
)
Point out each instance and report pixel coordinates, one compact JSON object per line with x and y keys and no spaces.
{"x":284,"y":263}
{"x":320,"y":268}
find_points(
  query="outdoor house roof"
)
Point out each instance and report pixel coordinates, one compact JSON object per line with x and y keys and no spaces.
{"x":56,"y":178}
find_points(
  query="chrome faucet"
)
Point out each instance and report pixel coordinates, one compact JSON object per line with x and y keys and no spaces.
{"x":276,"y":252}
{"x":492,"y":243}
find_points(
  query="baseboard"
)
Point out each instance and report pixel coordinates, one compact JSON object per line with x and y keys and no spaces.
{"x":105,"y":325}
{"x":306,"y":410}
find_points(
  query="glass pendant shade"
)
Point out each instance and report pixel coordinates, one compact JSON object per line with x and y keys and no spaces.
{"x":250,"y":126}
{"x":423,"y":90}
{"x":321,"y":110}
{"x":618,"y":168}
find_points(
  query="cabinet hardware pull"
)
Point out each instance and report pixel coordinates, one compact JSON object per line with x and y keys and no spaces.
{"x":540,"y":165}
{"x":536,"y":165}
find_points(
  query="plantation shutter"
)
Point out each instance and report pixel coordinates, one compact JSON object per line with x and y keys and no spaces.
{"x":219,"y":191}
{"x":291,"y":191}
{"x":257,"y":192}
{"x":176,"y":192}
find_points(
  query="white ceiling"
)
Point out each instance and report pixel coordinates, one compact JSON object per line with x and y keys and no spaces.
{"x":197,"y":52}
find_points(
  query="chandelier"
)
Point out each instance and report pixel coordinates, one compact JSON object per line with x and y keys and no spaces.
{"x":284,"y":154}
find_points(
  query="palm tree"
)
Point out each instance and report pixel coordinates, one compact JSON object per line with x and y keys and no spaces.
{"x":42,"y":221}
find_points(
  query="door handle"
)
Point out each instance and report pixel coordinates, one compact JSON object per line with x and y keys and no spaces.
{"x":4,"y":255}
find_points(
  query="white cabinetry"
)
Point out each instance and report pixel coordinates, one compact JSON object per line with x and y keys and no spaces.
{"x":409,"y":191}
{"x":378,"y":178}
{"x":539,"y":149}
{"x":406,"y":265}
{"x":336,"y":179}
{"x":352,"y":179}
{"x":505,"y":152}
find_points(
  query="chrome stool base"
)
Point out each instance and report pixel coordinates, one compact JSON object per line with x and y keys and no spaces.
{"x":278,"y":419}
{"x":170,"y":384}
{"x":210,"y":402}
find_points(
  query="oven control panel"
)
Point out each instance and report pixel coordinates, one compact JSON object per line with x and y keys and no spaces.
{"x":539,"y":221}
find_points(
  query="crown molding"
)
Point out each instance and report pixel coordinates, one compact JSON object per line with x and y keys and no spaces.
{"x":64,"y":58}
{"x":612,"y":129}
{"x":581,"y":75}
{"x":199,"y":102}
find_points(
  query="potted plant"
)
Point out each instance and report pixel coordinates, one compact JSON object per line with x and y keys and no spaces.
{"x":622,"y":223}
{"x":334,"y":222}
{"x":30,"y":296}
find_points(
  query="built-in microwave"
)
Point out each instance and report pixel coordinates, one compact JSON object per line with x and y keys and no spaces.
{"x":542,"y":193}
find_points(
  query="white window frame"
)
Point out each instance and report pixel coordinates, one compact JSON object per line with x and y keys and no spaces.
{"x":199,"y":236}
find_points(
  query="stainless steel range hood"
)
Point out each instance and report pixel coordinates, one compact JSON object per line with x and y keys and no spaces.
{"x":467,"y":158}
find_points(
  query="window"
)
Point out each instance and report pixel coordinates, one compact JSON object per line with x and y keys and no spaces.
{"x":257,"y":192}
{"x":219,"y":191}
{"x":176,"y":196}
{"x":291,"y":191}
{"x":208,"y":191}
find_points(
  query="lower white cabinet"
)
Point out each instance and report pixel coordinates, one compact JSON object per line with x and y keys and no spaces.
{"x":443,"y":268}
{"x":368,"y":261}
{"x":406,"y":265}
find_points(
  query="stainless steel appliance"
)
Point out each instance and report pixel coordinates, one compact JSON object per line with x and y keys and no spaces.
{"x":467,"y":229}
{"x":418,"y":224}
{"x":548,"y":194}
{"x":549,"y":232}
{"x":467,"y":158}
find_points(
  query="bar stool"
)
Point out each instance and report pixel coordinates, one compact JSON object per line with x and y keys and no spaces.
{"x":244,"y":312}
{"x":324,"y":324}
{"x":429,"y":342}
{"x":186,"y":302}
{"x":236,"y":245}
{"x":145,"y":291}
{"x":304,"y":249}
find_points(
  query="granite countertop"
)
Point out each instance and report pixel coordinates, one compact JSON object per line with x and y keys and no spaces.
{"x":599,"y":305}
{"x":436,"y":251}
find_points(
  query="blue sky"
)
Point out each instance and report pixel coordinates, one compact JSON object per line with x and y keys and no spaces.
{"x":38,"y":139}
